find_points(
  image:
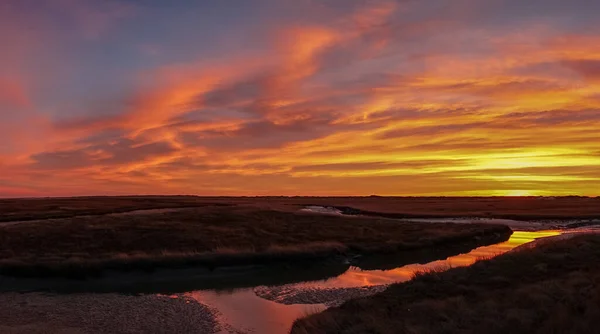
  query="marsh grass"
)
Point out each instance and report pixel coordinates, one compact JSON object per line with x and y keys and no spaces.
{"x":554,"y":288}
{"x":58,"y":208}
{"x":83,"y":266}
{"x":211,"y":236}
{"x":569,"y":207}
{"x":431,"y":273}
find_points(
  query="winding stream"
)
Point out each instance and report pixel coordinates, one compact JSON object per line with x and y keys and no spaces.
{"x":242,"y":310}
{"x":255,"y":299}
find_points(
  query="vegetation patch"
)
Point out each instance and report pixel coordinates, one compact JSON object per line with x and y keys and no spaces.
{"x":212,"y":236}
{"x":554,"y":288}
{"x":527,"y":208}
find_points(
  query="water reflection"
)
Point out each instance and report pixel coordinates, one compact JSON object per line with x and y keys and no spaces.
{"x":243,"y":311}
{"x":356,"y":277}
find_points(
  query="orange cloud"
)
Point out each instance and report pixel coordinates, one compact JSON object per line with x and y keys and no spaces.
{"x":382,"y":98}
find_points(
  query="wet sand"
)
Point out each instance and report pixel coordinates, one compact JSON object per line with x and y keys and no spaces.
{"x":289,"y":295}
{"x":35,"y":313}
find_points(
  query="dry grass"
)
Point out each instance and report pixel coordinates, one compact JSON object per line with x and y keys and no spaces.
{"x":211,"y":236}
{"x":432,"y":271}
{"x":48,"y":208}
{"x":84,"y":266}
{"x":526,"y":208}
{"x":551,"y":289}
{"x":395,"y":207}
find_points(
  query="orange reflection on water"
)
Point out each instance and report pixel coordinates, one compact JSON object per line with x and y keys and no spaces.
{"x":355,"y":277}
{"x":243,"y":311}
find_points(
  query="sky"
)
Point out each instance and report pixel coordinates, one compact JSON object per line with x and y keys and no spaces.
{"x":299,"y":97}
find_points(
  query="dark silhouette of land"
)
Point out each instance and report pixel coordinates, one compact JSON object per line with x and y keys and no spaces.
{"x":110,"y":244}
{"x":570,"y":207}
{"x":88,"y":239}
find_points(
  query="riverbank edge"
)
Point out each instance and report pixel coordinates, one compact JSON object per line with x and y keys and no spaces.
{"x":84,"y":268}
{"x":477,"y":288}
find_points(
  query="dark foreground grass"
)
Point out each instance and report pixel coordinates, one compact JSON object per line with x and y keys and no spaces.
{"x":554,"y":288}
{"x":211,"y":236}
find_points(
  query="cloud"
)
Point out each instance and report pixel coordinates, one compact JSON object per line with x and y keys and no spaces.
{"x":120,"y":152}
{"x":259,"y":134}
{"x":430,"y":130}
{"x":553,"y":117}
{"x":335,"y":97}
{"x":589,"y":69}
{"x":370,"y":167}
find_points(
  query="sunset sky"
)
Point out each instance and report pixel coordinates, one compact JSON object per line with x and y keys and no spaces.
{"x":299,"y":97}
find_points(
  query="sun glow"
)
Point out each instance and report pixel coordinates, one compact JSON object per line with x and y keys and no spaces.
{"x":519,"y":193}
{"x":339,"y":105}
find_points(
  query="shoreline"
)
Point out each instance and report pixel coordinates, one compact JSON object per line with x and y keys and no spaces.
{"x":285,"y":267}
{"x":555,"y":277}
{"x":107,"y":313}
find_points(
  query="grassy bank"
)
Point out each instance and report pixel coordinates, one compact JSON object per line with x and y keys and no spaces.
{"x":554,"y":288}
{"x":211,"y":236}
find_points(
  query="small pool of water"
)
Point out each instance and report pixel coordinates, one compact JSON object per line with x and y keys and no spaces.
{"x":244,"y":311}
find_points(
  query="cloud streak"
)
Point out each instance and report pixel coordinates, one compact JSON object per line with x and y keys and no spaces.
{"x":310,"y":98}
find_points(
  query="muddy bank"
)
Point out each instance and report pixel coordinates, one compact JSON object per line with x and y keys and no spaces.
{"x":290,"y":294}
{"x":109,"y":313}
